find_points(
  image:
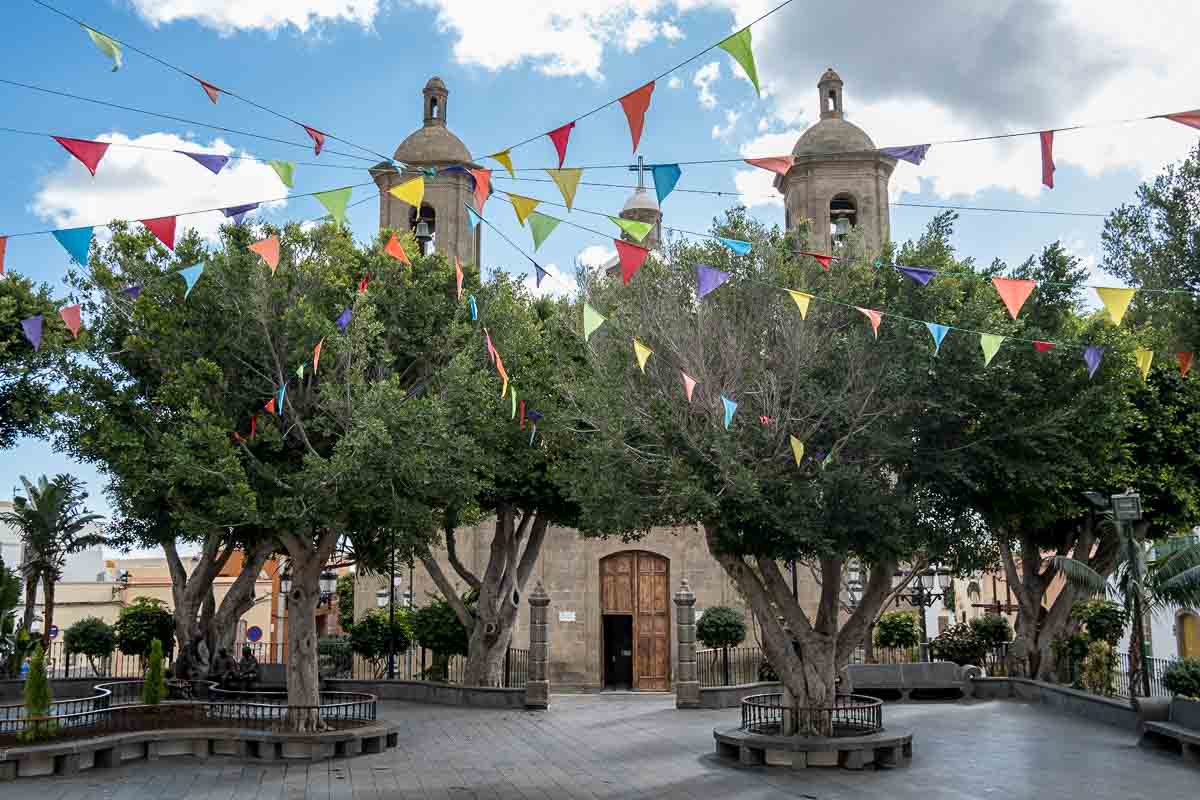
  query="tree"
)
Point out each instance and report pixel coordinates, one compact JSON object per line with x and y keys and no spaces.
{"x":992,"y":629}
{"x":142,"y":622}
{"x":38,"y":698}
{"x":373,"y":638}
{"x":10,"y":599}
{"x":91,"y":637}
{"x":154,"y":684}
{"x":897,"y":629}
{"x":438,"y":628}
{"x":345,"y":601}
{"x":721,"y":626}
{"x":53,"y":522}
{"x":26,"y":374}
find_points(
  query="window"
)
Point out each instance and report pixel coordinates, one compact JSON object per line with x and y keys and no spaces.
{"x":843,"y":215}
{"x":433,"y":107}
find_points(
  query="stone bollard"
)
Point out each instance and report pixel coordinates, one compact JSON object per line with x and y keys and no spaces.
{"x":687,"y":684}
{"x":537,"y":687}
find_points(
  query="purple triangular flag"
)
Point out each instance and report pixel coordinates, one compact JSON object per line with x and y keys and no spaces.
{"x":133,"y":292}
{"x":918,"y":274}
{"x":708,"y":278}
{"x":33,"y":330}
{"x":239,"y":212}
{"x":538,"y":273}
{"x":1092,"y":356}
{"x":211,"y":161}
{"x":913,"y":153}
{"x":344,"y":319}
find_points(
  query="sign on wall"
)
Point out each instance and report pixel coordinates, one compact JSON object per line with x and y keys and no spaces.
{"x":566,"y":616}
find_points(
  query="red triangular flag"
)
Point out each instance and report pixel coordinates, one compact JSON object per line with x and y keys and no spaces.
{"x":1043,"y":347}
{"x":70,"y":315}
{"x":317,"y":137}
{"x":163,"y":228}
{"x":521,"y":406}
{"x":483,"y":182}
{"x":253,"y":425}
{"x":1013,"y":292}
{"x":823,"y":260}
{"x":317,"y":354}
{"x":212,"y":91}
{"x":268,"y":250}
{"x":362,"y":285}
{"x":777,"y":164}
{"x":631,"y":257}
{"x":270,"y":406}
{"x":1048,"y":158}
{"x":396,"y":251}
{"x":560,"y":136}
{"x":1189,"y":118}
{"x":89,"y":153}
{"x":635,"y":104}
{"x":3,"y":247}
{"x":1185,"y":363}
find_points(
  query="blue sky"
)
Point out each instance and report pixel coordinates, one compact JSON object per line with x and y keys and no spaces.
{"x":914,"y":72}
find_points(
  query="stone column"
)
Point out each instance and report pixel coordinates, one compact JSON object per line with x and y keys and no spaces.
{"x":537,"y":687}
{"x":687,"y":684}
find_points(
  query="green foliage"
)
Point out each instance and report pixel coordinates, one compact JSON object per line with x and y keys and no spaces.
{"x":345,"y":601}
{"x":1182,"y":678}
{"x":10,"y":601}
{"x":154,"y":685}
{"x":1097,"y":673}
{"x":142,"y":622}
{"x":960,"y":644}
{"x":897,"y":629}
{"x":91,"y":637}
{"x":26,"y":375}
{"x":371,"y":637}
{"x":721,"y":626}
{"x":436,"y":627}
{"x":992,"y":629}
{"x":335,"y":659}
{"x":38,"y":698}
{"x":1102,"y":620}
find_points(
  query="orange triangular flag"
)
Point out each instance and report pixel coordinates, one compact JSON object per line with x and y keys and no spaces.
{"x":1185,"y":363}
{"x":268,"y":250}
{"x":874,"y":316}
{"x":632,"y":258}
{"x":270,"y":406}
{"x":163,"y":228}
{"x":458,"y":276}
{"x":689,"y":383}
{"x":1013,"y":292}
{"x":317,"y":354}
{"x":777,"y":164}
{"x":317,"y":137}
{"x":483,"y":182}
{"x":635,"y":104}
{"x":821,"y":258}
{"x":503,"y":373}
{"x":212,"y":91}
{"x":70,"y":316}
{"x":396,"y":251}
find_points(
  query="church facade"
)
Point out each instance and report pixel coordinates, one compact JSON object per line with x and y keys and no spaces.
{"x":611,"y":612}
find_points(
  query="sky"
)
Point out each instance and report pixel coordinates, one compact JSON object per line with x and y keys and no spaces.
{"x":914,"y":72}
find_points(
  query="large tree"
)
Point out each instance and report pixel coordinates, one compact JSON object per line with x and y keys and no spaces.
{"x":25,"y":372}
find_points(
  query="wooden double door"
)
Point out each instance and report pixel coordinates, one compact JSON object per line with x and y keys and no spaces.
{"x":635,"y":605}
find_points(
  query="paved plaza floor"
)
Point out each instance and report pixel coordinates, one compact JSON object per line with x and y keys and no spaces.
{"x":639,"y":746}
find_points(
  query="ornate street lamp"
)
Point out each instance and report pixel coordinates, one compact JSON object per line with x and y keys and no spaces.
{"x":921,"y":594}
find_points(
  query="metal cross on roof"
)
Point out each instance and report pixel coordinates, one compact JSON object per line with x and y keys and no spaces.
{"x":640,"y":169}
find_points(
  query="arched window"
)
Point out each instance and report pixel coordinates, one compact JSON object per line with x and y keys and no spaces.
{"x":423,"y":224}
{"x":433,"y":108}
{"x":843,"y":215}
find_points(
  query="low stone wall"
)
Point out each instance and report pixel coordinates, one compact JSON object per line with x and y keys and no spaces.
{"x":436,"y":693}
{"x":1105,"y":710}
{"x":732,"y":696}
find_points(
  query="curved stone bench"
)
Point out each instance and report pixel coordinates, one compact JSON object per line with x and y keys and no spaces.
{"x":884,"y":749}
{"x":70,"y":757}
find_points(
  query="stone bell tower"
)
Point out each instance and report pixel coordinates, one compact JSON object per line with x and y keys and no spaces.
{"x":839,"y":180}
{"x":436,"y":154}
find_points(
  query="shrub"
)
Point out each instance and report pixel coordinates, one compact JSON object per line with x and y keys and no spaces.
{"x":371,"y":637}
{"x":334,"y":657}
{"x":345,"y":601}
{"x":898,"y":629}
{"x":1182,"y":678}
{"x":993,"y":629}
{"x":38,"y":698}
{"x":91,"y":637}
{"x":1103,"y":620}
{"x":960,"y":644}
{"x":1098,"y":665}
{"x":154,"y":686}
{"x":141,"y":622}
{"x":436,"y":627}
{"x":721,"y":626}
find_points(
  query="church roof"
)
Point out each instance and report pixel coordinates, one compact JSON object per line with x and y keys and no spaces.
{"x":832,"y":135}
{"x":639,"y":200}
{"x":432,"y":144}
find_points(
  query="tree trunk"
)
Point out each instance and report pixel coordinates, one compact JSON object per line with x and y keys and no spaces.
{"x":31,"y":584}
{"x":303,"y":680}
{"x":48,"y":582}
{"x":238,"y":600}
{"x":189,"y":591}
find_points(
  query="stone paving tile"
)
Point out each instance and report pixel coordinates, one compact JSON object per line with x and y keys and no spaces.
{"x":603,"y":747}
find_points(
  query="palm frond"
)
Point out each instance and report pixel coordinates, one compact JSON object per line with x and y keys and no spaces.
{"x":1180,"y":590}
{"x":1081,"y":576}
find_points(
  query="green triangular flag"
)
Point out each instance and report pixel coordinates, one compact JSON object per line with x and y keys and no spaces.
{"x":738,"y":46}
{"x":542,"y":226}
{"x":637,"y":230}
{"x":990,"y":342}
{"x":106,"y":45}
{"x":300,"y":372}
{"x":592,"y":320}
{"x":285,"y":170}
{"x":335,"y":201}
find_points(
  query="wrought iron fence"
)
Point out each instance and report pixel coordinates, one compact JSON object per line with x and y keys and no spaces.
{"x":1156,"y":667}
{"x":729,"y":666}
{"x":850,"y":715}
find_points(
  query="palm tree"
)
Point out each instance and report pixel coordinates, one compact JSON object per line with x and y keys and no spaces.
{"x":1142,"y":584}
{"x":51,"y":519}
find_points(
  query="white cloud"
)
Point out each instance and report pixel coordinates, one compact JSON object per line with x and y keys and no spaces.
{"x":674,"y":82}
{"x":230,"y":15}
{"x":139,"y":184}
{"x":731,"y":120}
{"x":556,"y":284}
{"x":595,"y":255}
{"x":703,"y":80}
{"x":755,"y":186}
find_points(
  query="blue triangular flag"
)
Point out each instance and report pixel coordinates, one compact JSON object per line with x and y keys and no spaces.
{"x":665,"y":178}
{"x":211,"y":161}
{"x":730,"y":407}
{"x":344,"y":319}
{"x":33,"y":331}
{"x":472,"y":217}
{"x":279,"y":405}
{"x":133,"y":292}
{"x":1092,"y":357}
{"x":918,"y":274}
{"x":191,"y":274}
{"x":77,"y":241}
{"x":474,"y":310}
{"x":736,"y":245}
{"x":538,"y":273}
{"x":938,"y":332}
{"x":708,"y":278}
{"x":239,"y":212}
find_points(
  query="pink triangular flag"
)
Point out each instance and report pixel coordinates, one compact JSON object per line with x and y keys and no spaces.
{"x":1047,"y":138}
{"x":689,"y":383}
{"x":483,"y":181}
{"x":1189,"y":118}
{"x":270,"y":406}
{"x":317,"y":137}
{"x":268,"y":250}
{"x":635,"y":104}
{"x":874,"y":316}
{"x":163,"y":229}
{"x":560,"y":136}
{"x":632,"y":257}
{"x":777,"y":164}
{"x":89,"y":153}
{"x":213,"y":92}
{"x":458,"y":276}
{"x":1013,"y":292}
{"x":317,"y":354}
{"x":70,"y":316}
{"x":3,"y":247}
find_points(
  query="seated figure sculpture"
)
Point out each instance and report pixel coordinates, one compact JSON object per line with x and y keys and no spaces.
{"x":224,"y":670}
{"x":247,"y":670}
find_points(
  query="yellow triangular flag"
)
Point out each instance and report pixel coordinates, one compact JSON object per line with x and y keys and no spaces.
{"x":801,"y":301}
{"x":642,"y":352}
{"x":411,"y":192}
{"x":1116,"y":301}
{"x":568,"y":182}
{"x":797,"y":448}
{"x":505,"y":158}
{"x":514,"y":403}
{"x":524,"y":206}
{"x":1144,"y":357}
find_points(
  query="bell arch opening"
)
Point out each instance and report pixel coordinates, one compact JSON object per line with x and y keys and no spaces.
{"x":423,"y":223}
{"x":843,"y":216}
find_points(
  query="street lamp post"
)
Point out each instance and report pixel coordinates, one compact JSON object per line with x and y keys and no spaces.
{"x":392,"y":614}
{"x":1127,"y":509}
{"x":922,"y":595}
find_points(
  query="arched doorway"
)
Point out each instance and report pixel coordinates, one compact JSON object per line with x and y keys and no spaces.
{"x":1188,"y":627}
{"x":635,"y":615}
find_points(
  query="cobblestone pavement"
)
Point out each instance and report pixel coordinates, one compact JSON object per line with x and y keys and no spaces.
{"x":631,"y":746}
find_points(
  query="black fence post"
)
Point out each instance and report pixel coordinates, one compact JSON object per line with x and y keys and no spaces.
{"x":507,"y":667}
{"x":725,"y":664}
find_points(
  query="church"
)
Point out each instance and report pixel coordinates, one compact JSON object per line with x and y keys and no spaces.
{"x":611,"y":613}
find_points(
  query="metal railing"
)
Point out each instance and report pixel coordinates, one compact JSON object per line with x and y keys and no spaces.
{"x":728,"y":666}
{"x":1157,"y":667}
{"x":850,"y":715}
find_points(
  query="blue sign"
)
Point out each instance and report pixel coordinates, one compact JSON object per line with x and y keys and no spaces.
{"x":253,"y":633}
{"x":53,"y":631}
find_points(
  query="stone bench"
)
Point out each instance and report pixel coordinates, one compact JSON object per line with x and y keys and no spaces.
{"x":906,"y":678}
{"x":1176,"y":725}
{"x":889,"y":748}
